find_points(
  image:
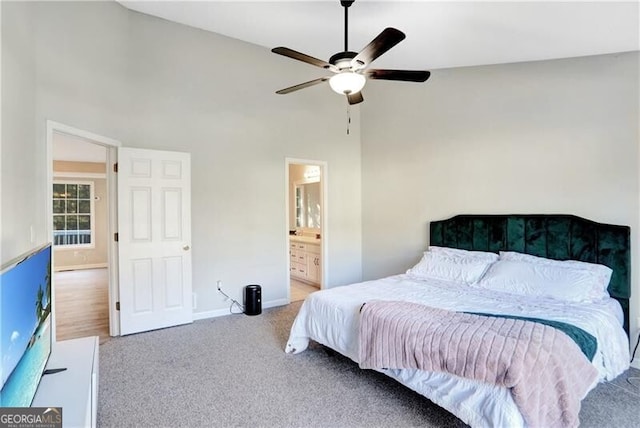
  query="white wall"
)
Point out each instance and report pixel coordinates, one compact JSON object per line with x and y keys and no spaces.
{"x":153,"y":84}
{"x":21,"y":171}
{"x":543,"y":137}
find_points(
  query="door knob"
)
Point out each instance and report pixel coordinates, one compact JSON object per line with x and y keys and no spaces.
{"x":186,"y":247}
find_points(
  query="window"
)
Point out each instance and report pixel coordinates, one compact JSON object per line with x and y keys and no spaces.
{"x":73,"y":214}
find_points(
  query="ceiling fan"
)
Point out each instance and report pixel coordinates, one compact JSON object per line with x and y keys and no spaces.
{"x":350,"y":68}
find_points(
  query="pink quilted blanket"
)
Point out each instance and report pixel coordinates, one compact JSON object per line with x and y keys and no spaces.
{"x":547,"y":373}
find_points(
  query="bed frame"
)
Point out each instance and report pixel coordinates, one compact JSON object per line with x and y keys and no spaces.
{"x":560,"y":237}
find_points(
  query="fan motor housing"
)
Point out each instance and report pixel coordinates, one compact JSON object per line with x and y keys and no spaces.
{"x":342,"y":59}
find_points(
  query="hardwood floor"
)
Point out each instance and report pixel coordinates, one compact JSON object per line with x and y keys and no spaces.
{"x":300,"y":290}
{"x":82,"y":304}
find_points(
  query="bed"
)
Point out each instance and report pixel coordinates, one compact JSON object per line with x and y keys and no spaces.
{"x":332,"y":317}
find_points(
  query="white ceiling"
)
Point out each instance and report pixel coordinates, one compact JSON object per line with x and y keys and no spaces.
{"x":439,"y":34}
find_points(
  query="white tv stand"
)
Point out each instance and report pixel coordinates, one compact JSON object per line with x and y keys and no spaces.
{"x":76,"y":388}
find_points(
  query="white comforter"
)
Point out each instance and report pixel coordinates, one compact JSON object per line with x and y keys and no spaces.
{"x":330,"y":317}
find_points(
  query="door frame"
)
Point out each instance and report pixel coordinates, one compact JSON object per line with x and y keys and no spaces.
{"x":112,"y":254}
{"x":324,"y":242}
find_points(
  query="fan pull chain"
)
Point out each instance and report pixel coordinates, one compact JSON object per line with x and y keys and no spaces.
{"x":348,"y":117}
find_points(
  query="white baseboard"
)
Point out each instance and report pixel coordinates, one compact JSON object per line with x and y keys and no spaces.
{"x":80,"y":267}
{"x":210,"y":314}
{"x":222,"y":312}
{"x":275,"y":303}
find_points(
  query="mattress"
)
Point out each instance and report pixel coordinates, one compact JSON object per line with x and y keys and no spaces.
{"x":330,"y":317}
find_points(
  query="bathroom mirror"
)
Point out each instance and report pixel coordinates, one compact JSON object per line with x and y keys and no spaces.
{"x":307,"y":198}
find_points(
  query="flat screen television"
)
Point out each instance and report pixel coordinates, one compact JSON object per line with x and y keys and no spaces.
{"x":25,"y":325}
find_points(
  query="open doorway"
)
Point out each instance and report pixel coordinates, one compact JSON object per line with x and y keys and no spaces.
{"x":80,"y":210}
{"x":80,"y":214}
{"x":306,"y":216}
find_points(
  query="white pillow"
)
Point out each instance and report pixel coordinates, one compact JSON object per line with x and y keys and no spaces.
{"x":442,"y":266}
{"x":539,"y":280}
{"x":456,"y":252}
{"x":601,"y":273}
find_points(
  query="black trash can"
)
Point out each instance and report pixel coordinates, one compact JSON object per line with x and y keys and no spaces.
{"x":252,"y":300}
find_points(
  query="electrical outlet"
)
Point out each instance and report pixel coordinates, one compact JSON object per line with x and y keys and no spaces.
{"x":219,"y":285}
{"x":32,"y":234}
{"x":195,"y":300}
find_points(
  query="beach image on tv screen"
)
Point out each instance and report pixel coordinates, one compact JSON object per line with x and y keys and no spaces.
{"x":25,"y":317}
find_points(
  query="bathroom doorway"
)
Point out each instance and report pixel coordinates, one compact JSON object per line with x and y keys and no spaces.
{"x":306,"y":219}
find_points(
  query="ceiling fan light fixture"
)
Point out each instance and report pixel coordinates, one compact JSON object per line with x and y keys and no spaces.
{"x":352,"y":68}
{"x":347,"y":82}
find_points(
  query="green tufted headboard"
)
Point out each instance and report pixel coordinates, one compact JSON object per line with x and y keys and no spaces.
{"x":560,"y":237}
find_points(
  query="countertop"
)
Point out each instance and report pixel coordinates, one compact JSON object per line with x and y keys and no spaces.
{"x":304,"y":239}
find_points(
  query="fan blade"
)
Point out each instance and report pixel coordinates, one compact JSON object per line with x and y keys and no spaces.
{"x":304,"y":58}
{"x":385,"y":41}
{"x":355,"y":98}
{"x":404,"y":75}
{"x":302,"y":85}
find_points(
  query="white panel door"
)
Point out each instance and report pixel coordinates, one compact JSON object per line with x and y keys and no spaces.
{"x":154,"y":239}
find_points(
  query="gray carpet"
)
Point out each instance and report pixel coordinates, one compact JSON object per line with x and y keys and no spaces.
{"x":232,"y":372}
